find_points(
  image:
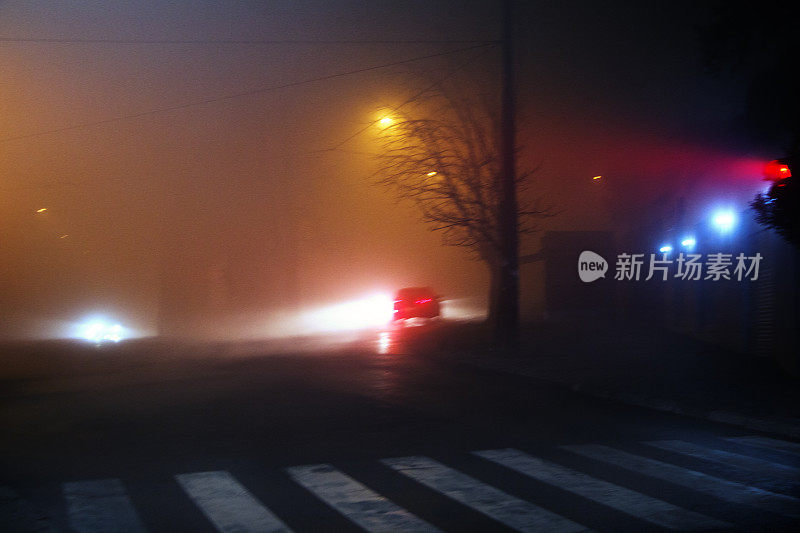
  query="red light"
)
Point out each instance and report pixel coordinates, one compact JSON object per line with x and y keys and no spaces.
{"x":775,"y":170}
{"x":422,"y":301}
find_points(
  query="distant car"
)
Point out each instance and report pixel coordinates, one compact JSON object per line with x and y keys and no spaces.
{"x":416,"y":302}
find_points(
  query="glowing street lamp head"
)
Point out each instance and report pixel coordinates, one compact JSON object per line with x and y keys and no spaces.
{"x":724,"y":220}
{"x":689,"y":242}
{"x":665,"y":249}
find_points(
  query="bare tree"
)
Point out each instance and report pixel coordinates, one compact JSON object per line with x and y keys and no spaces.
{"x":443,"y":153}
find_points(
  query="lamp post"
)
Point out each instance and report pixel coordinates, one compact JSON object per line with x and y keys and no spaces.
{"x":506,"y":328}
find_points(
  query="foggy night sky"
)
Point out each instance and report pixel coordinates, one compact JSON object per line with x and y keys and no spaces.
{"x":238,"y":188}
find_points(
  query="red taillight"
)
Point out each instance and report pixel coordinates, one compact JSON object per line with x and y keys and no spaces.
{"x":423,"y":301}
{"x":776,"y":171}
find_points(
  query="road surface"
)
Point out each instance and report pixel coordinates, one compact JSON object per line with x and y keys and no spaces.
{"x":386,"y":432}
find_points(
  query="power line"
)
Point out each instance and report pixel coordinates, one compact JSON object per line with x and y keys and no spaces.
{"x":239,"y":95}
{"x":59,"y":40}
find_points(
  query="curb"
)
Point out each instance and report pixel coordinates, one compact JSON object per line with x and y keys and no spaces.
{"x":775,"y":425}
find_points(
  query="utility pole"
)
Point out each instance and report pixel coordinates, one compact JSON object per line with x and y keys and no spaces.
{"x":507,"y":326}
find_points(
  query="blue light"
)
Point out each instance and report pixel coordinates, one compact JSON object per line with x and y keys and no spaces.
{"x":724,"y":220}
{"x":665,"y":249}
{"x":689,"y":242}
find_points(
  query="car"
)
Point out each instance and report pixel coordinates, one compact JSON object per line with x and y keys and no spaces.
{"x":416,"y":302}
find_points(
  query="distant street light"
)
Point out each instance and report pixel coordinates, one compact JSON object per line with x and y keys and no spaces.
{"x":724,"y":220}
{"x":42,"y":210}
{"x":689,"y":242}
{"x":665,"y":249}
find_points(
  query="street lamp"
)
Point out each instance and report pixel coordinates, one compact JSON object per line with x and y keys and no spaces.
{"x":724,"y":220}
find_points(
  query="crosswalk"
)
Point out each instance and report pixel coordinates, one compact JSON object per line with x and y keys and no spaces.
{"x":722,"y":489}
{"x":628,"y":501}
{"x":228,"y":504}
{"x":648,"y":484}
{"x":101,"y":505}
{"x":366,"y":508}
{"x":494,"y":503}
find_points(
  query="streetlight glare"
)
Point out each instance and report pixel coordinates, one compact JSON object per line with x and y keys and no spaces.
{"x":665,"y":249}
{"x":724,"y":220}
{"x":42,"y":210}
{"x":689,"y":242}
{"x":431,"y":173}
{"x":385,"y":122}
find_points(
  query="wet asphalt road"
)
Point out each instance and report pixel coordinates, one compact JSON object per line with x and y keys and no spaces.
{"x":144,"y":419}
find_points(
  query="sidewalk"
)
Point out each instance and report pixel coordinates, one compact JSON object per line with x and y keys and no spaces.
{"x":656,"y":369}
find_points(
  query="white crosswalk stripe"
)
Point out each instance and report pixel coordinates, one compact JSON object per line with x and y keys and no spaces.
{"x":104,"y":505}
{"x":366,"y":508}
{"x":720,"y":456}
{"x":228,"y":505}
{"x":99,"y":506}
{"x":494,"y":503}
{"x":626,"y":500}
{"x":766,"y":442}
{"x":720,"y":488}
